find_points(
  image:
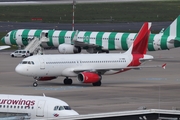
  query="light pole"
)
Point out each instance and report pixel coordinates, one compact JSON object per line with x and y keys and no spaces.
{"x":74,"y":3}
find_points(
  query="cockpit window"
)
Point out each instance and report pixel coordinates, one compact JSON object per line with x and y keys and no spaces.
{"x":56,"y":107}
{"x":62,"y":108}
{"x":24,"y":62}
{"x":67,"y":108}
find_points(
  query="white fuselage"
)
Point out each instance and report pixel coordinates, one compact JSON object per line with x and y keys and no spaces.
{"x":36,"y":107}
{"x":64,"y":65}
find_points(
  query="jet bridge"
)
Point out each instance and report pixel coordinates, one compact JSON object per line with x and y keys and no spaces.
{"x":35,"y":44}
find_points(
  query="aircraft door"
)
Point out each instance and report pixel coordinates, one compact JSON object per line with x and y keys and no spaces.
{"x":42,"y":63}
{"x":78,"y":62}
{"x":40,"y":109}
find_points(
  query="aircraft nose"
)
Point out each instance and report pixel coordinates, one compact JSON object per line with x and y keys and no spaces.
{"x":72,"y":112}
{"x":3,"y":40}
{"x":19,"y":69}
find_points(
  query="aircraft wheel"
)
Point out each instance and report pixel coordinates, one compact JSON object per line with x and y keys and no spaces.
{"x":67,"y":81}
{"x":12,"y":55}
{"x":97,"y":83}
{"x":35,"y":84}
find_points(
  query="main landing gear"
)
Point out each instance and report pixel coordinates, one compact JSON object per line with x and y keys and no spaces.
{"x":97,"y":83}
{"x":67,"y":81}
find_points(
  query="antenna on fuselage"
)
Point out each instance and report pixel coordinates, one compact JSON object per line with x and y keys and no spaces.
{"x":44,"y":95}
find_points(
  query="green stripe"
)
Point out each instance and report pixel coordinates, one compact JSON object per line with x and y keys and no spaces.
{"x":50,"y":35}
{"x":166,"y":32}
{"x":38,"y":33}
{"x":124,"y":41}
{"x":99,"y":38}
{"x":3,"y":40}
{"x":25,"y":36}
{"x":62,"y":36}
{"x":12,"y":37}
{"x":150,"y":42}
{"x":164,"y":42}
{"x":178,"y":27}
{"x":72,"y":36}
{"x":86,"y":37}
{"x":111,"y":41}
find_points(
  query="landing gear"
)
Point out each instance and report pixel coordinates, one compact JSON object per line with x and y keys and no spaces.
{"x":97,"y":83}
{"x":67,"y":81}
{"x":35,"y":84}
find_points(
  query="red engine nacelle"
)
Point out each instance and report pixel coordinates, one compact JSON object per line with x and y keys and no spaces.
{"x":44,"y":78}
{"x":88,"y":77}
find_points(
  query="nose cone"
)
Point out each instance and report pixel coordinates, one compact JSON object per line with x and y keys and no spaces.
{"x":3,"y":40}
{"x":69,"y":112}
{"x":19,"y":69}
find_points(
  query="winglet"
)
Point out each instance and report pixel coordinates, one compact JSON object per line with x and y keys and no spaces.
{"x":164,"y":66}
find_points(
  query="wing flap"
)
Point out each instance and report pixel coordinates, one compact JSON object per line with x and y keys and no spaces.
{"x":78,"y":70}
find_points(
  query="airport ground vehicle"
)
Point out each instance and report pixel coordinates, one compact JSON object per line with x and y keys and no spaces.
{"x":20,"y":53}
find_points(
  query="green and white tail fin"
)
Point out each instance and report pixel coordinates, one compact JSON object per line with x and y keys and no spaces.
{"x":174,"y":28}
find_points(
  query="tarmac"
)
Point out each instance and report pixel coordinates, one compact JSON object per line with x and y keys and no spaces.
{"x":151,"y":88}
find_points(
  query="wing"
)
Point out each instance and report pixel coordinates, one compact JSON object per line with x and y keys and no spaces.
{"x":86,"y":45}
{"x":83,"y":44}
{"x":4,"y":47}
{"x":78,"y":70}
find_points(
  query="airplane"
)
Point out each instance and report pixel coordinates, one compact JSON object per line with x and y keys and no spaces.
{"x":94,"y":42}
{"x":33,"y":107}
{"x":4,"y":47}
{"x":88,"y":68}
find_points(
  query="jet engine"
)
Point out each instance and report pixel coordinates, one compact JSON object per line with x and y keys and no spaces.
{"x":88,"y":77}
{"x":44,"y":78}
{"x":68,"y":49}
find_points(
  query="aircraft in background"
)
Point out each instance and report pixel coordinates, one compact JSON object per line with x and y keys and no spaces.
{"x":33,"y":107}
{"x":4,"y":47}
{"x":94,"y":42}
{"x":88,"y":68}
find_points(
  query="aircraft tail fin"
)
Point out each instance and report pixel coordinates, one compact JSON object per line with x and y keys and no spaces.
{"x":140,"y":43}
{"x":174,"y":28}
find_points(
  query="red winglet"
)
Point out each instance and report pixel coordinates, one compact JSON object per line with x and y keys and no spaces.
{"x":164,"y":66}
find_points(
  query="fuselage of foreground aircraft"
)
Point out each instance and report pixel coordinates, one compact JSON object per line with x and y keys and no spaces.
{"x":33,"y":107}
